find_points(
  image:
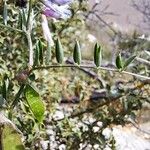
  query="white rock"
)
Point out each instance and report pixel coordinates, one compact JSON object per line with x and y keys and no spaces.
{"x":96,"y":129}
{"x":58,"y":115}
{"x":44,"y":144}
{"x":62,"y":147}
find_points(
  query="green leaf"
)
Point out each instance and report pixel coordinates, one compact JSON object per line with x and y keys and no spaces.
{"x":35,"y":103}
{"x":40,"y":47}
{"x":59,"y":51}
{"x":119,"y":61}
{"x":5,"y":13}
{"x":24,"y":18}
{"x":20,"y":21}
{"x":128,"y":61}
{"x":97,"y":55}
{"x":77,"y":53}
{"x":10,"y":137}
{"x":36,"y":57}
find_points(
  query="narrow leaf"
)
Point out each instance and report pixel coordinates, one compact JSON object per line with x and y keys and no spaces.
{"x":20,"y":21}
{"x":36,"y":57}
{"x":40,"y":47}
{"x":97,"y":55}
{"x":129,"y":61}
{"x":59,"y":51}
{"x":35,"y":103}
{"x":5,"y":13}
{"x":119,"y":61}
{"x":77,"y":53}
{"x":24,"y":18}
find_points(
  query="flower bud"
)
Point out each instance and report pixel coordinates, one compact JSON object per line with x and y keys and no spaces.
{"x":22,"y":76}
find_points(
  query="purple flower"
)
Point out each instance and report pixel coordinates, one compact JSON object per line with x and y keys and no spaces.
{"x":46,"y":31}
{"x":57,"y":8}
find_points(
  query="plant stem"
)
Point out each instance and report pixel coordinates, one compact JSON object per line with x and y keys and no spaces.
{"x":28,"y":35}
{"x":93,"y":67}
{"x":141,"y":60}
{"x":28,"y":25}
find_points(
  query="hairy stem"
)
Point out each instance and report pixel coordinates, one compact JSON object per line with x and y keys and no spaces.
{"x":93,"y":67}
{"x":30,"y":46}
{"x":28,"y":34}
{"x":28,"y":25}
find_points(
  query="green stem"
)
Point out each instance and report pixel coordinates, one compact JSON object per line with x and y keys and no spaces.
{"x":29,"y":15}
{"x":144,"y":61}
{"x":30,"y":46}
{"x":28,"y":34}
{"x":93,"y":67}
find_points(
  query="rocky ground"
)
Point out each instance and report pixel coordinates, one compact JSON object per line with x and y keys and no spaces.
{"x":126,"y":16}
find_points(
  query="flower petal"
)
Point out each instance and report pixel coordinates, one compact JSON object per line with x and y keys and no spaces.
{"x":46,"y":31}
{"x":61,"y":2}
{"x":55,"y":11}
{"x":51,"y":13}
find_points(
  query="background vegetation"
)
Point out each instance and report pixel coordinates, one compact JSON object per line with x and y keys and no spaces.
{"x":68,"y":105}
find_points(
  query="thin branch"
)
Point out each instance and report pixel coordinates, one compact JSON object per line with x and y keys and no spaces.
{"x":141,"y":60}
{"x":90,"y":73}
{"x":147,"y":52}
{"x":107,"y":24}
{"x":89,"y":110}
{"x":28,"y":34}
{"x":95,"y":12}
{"x":29,"y":15}
{"x":136,"y":75}
{"x":138,"y":128}
{"x":103,"y":99}
{"x":31,"y":61}
{"x":93,"y":67}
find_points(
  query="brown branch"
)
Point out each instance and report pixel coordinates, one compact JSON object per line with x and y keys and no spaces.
{"x":90,"y":73}
{"x":101,"y":99}
{"x":89,"y":110}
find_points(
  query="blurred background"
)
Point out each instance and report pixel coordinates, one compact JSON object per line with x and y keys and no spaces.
{"x":85,"y":108}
